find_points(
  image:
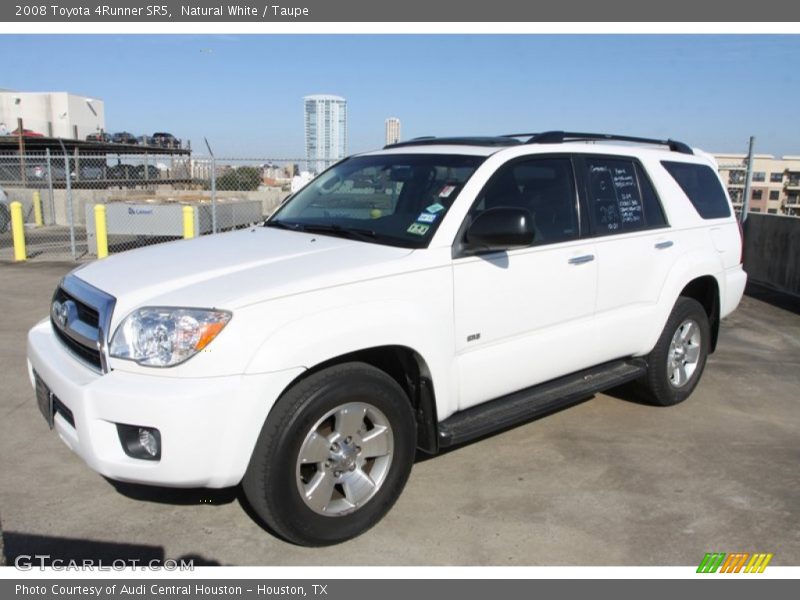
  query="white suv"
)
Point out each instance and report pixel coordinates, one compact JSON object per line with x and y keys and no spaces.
{"x":415,"y":297}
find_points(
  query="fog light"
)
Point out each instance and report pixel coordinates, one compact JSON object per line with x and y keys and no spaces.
{"x":140,"y":442}
{"x":148,"y":441}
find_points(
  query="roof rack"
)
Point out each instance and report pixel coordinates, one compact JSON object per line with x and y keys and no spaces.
{"x":458,"y":141}
{"x":558,"y":137}
{"x":546,"y":137}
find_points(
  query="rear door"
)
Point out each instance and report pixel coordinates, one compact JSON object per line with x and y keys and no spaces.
{"x":635,"y":249}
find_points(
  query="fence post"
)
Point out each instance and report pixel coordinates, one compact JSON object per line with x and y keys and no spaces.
{"x":188,"y":222}
{"x":70,"y":215}
{"x":50,"y":187}
{"x":37,"y":208}
{"x":18,"y":231}
{"x":213,"y":187}
{"x":748,"y":181}
{"x":213,"y":194}
{"x":100,"y":230}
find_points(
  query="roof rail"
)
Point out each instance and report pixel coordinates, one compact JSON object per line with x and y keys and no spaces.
{"x":457,"y":141}
{"x":557,"y":137}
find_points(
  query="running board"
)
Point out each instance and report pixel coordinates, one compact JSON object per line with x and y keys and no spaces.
{"x":536,"y":401}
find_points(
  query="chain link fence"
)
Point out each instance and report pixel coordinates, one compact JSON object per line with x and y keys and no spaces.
{"x":144,"y":198}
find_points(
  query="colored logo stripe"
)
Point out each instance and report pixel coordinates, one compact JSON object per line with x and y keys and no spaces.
{"x":734,"y":563}
{"x":711,"y":562}
{"x":758,"y":563}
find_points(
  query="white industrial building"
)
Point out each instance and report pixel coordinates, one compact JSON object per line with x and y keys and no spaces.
{"x":52,"y":114}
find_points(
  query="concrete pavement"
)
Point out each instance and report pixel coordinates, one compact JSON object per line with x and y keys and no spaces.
{"x":608,"y":482}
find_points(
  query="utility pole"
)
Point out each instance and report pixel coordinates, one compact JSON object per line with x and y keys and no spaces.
{"x":748,"y":181}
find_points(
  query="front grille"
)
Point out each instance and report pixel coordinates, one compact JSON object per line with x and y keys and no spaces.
{"x":86,"y":313}
{"x":86,"y":354}
{"x":80,"y":316}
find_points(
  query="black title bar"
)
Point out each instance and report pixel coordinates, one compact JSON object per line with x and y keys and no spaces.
{"x":439,"y":11}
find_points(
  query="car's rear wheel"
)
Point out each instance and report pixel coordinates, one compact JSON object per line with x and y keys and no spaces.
{"x":333,"y":455}
{"x":679,"y":357}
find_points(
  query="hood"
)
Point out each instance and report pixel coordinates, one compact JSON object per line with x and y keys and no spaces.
{"x":232,"y":270}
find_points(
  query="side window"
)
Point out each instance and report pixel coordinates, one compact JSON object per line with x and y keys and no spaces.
{"x":653,"y":213}
{"x":545,"y":187}
{"x":701,"y":185}
{"x":620,"y":197}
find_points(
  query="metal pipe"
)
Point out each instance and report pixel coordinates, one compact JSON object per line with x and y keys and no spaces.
{"x":50,"y":187}
{"x":748,"y":181}
{"x":70,"y":216}
{"x":213,"y":188}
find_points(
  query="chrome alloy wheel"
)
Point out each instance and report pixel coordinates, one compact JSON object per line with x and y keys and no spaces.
{"x":684,"y":353}
{"x":344,"y":459}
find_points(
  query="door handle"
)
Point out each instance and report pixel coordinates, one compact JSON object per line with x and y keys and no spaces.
{"x":579,"y":260}
{"x":663,"y":245}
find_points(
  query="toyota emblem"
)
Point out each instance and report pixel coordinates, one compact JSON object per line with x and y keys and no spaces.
{"x":63,"y":312}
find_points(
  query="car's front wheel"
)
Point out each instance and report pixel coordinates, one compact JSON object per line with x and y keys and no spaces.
{"x":679,"y":357}
{"x":333,"y":455}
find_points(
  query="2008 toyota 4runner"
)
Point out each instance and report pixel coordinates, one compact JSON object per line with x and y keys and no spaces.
{"x":414,"y":297}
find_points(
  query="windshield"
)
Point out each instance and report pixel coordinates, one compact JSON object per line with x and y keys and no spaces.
{"x":394,"y":199}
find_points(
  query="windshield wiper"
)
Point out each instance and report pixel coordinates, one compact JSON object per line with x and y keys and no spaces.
{"x":284,"y":225}
{"x":355,"y":233}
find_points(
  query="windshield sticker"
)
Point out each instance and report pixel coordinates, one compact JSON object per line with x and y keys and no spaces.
{"x":376,"y":213}
{"x":435,"y":208}
{"x":446,"y":191}
{"x":418,"y":229}
{"x":426,"y":218}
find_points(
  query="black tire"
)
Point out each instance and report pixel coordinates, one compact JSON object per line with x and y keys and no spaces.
{"x":272,"y":483}
{"x":663,"y":385}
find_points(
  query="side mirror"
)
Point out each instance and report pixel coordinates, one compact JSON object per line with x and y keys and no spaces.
{"x":501,"y":228}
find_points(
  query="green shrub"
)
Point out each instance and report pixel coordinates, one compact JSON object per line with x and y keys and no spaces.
{"x":242,"y":179}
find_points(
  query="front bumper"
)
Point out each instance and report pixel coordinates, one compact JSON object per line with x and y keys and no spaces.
{"x":209,"y":426}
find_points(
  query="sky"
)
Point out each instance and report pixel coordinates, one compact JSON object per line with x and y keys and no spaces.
{"x":244,"y":92}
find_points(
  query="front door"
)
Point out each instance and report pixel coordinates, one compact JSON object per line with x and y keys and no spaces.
{"x":525,"y":316}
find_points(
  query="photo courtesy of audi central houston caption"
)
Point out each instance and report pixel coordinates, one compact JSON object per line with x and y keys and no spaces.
{"x":411,"y":298}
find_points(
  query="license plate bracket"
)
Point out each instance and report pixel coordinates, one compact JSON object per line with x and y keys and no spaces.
{"x":44,"y":398}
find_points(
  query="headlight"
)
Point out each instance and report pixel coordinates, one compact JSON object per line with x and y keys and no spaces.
{"x":166,"y":336}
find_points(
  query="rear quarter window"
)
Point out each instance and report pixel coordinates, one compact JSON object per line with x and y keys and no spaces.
{"x":701,"y":185}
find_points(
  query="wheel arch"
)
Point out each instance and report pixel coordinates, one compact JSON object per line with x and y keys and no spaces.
{"x":409,"y":370}
{"x":705,"y":290}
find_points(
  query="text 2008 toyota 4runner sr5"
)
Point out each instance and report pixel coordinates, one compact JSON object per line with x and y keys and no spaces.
{"x":415,"y":297}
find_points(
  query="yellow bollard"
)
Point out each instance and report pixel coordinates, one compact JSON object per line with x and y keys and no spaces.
{"x":100,"y":230}
{"x":18,"y":231}
{"x":37,"y":209}
{"x":188,"y":222}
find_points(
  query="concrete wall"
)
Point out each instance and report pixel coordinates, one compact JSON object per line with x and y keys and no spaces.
{"x":772,"y":251}
{"x":270,"y":198}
